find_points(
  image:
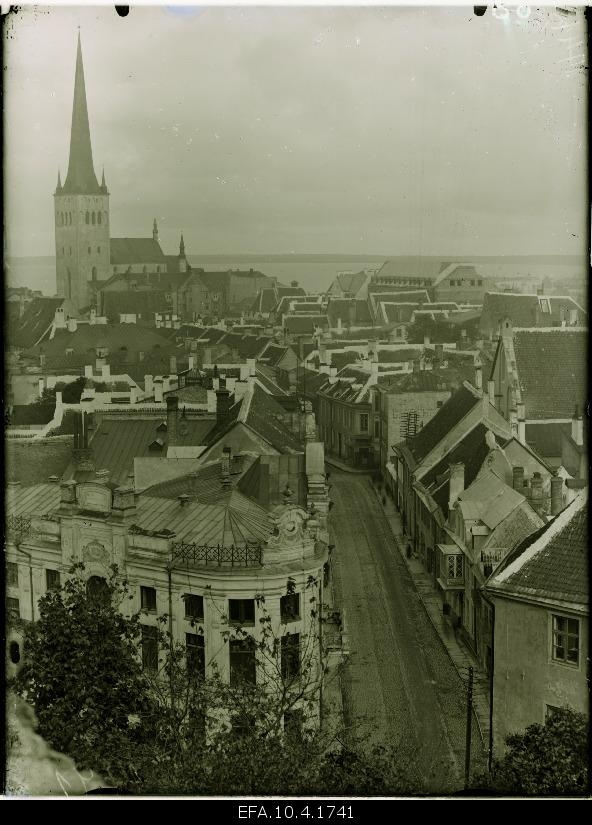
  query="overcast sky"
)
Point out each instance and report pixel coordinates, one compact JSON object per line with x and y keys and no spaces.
{"x":388,"y":131}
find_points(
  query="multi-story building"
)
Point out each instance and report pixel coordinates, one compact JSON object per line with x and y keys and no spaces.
{"x":539,"y":598}
{"x":236,"y":542}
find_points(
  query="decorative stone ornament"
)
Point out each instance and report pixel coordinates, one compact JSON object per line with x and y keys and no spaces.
{"x":94,"y":551}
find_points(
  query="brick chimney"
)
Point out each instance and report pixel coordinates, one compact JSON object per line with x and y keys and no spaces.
{"x":224,"y":401}
{"x":521,"y":409}
{"x":456,"y":484}
{"x":173,"y":365}
{"x":478,"y":375}
{"x":556,"y":495}
{"x":518,"y":479}
{"x":172,"y":403}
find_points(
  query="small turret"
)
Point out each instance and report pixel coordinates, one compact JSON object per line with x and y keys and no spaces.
{"x":155,"y":231}
{"x":104,"y":190}
{"x":182,"y":258}
{"x":58,"y":190}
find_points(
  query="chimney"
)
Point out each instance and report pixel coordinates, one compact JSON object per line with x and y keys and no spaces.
{"x":556,"y":495}
{"x":88,"y":371}
{"x":332,"y":375}
{"x":211,"y":401}
{"x":207,"y":355}
{"x":237,"y":463}
{"x":172,"y":403}
{"x":573,"y":317}
{"x":191,"y":362}
{"x":72,"y":324}
{"x":491,"y":392}
{"x":183,"y":499}
{"x":158,"y":397}
{"x":577,"y":427}
{"x":148,"y":385}
{"x":416,"y":365}
{"x":173,"y":365}
{"x":352,"y":313}
{"x":93,"y":316}
{"x":478,"y":375}
{"x":225,"y":468}
{"x":41,"y":387}
{"x":105,"y":372}
{"x":536,"y":487}
{"x":426,"y":340}
{"x":252,"y":365}
{"x":223,"y":404}
{"x":518,"y":479}
{"x":456,"y":483}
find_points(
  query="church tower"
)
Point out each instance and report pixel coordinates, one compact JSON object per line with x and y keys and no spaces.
{"x":81,"y":208}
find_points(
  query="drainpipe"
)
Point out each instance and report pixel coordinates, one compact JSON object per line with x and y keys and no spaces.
{"x":171,"y":678}
{"x":490,"y":755}
{"x":30,"y":557}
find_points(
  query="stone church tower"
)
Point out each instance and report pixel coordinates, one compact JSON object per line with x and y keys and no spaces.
{"x":81,"y":212}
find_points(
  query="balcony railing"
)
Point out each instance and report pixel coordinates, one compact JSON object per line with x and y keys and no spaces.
{"x":248,"y":555}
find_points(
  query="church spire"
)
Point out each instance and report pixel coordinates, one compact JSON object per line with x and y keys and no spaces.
{"x":182,"y":247}
{"x":155,"y":231}
{"x":81,"y":178}
{"x":59,"y":186}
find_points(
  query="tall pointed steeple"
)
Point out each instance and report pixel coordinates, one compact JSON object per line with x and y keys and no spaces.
{"x":81,"y":178}
{"x":182,"y":247}
{"x":59,"y":186}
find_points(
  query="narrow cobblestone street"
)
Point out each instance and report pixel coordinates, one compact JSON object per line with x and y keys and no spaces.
{"x":399,"y":683}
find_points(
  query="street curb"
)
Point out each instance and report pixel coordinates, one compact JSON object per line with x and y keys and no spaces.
{"x":427,"y":612}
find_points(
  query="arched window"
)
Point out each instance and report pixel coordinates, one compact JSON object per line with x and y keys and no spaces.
{"x":99,"y":218}
{"x":89,"y":250}
{"x":94,"y":273}
{"x":88,"y":217}
{"x":63,"y":251}
{"x":98,"y":250}
{"x":70,"y":218}
{"x":97,"y":588}
{"x":69,"y":250}
{"x":93,"y":218}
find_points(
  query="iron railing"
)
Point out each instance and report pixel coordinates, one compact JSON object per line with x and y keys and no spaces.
{"x":247,"y":555}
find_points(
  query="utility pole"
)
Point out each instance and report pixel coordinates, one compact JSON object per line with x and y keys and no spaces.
{"x":469,"y":721}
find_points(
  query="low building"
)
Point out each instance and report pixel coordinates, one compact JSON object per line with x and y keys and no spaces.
{"x":540,"y":599}
{"x":528,"y":311}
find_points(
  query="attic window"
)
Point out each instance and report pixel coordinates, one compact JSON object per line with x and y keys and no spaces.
{"x":545,"y":305}
{"x":69,"y":351}
{"x":157,"y":444}
{"x":162,"y":427}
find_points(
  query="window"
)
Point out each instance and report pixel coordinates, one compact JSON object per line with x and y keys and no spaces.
{"x":241,"y":611}
{"x":550,"y":711}
{"x":52,"y":579}
{"x":479,"y":282}
{"x":290,"y":607}
{"x":439,"y":404}
{"x":242,"y":725}
{"x":473,"y":283}
{"x":290,"y":652}
{"x":99,"y":218}
{"x":15,"y":653}
{"x":377,"y":429}
{"x":243,"y":664}
{"x":12,"y":574}
{"x":98,"y":250}
{"x":566,"y":640}
{"x":149,"y":648}
{"x":409,"y":425}
{"x":93,"y":218}
{"x":364,"y":422}
{"x":193,"y":606}
{"x":88,"y":217}
{"x":454,"y":567}
{"x":148,"y":598}
{"x":13,"y":610}
{"x":94,"y":273}
{"x":89,"y":250}
{"x":452,"y":283}
{"x":195,"y":654}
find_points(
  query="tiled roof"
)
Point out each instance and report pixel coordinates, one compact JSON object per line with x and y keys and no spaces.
{"x":521,"y":523}
{"x":23,"y":415}
{"x":265,"y":417}
{"x":34,"y":323}
{"x":143,"y":302}
{"x":87,"y":337}
{"x":350,"y":311}
{"x":266,"y":479}
{"x":471,"y":451}
{"x":409,"y":267}
{"x":304,"y":324}
{"x":350,"y":283}
{"x":545,"y":439}
{"x":553,"y":562}
{"x":453,"y":411}
{"x":273,"y":354}
{"x":424,"y":381}
{"x":136,"y":251}
{"x":488,"y":499}
{"x":117,"y":441}
{"x":265,"y":301}
{"x":205,"y":484}
{"x":525,"y":310}
{"x":551,"y":366}
{"x":28,"y":461}
{"x":194,"y":394}
{"x":397,"y":313}
{"x":399,"y":296}
{"x":266,"y":377}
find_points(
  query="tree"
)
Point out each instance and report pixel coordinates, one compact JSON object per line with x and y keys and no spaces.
{"x":81,"y":671}
{"x":545,"y":760}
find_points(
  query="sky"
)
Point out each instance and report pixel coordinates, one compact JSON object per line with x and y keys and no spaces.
{"x":314,"y":130}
